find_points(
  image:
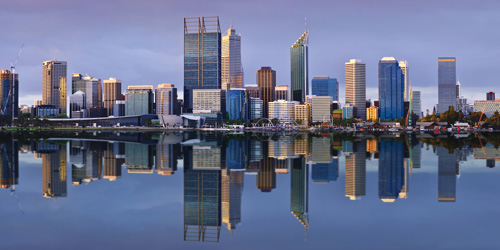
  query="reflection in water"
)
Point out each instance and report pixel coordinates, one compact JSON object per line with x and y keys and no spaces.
{"x":214,"y":167}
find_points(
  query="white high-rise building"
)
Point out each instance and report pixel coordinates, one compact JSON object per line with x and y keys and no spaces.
{"x":282,"y":93}
{"x":404,"y":67}
{"x":355,"y":86}
{"x":232,"y":70}
{"x":282,"y":110}
{"x":416,"y":102}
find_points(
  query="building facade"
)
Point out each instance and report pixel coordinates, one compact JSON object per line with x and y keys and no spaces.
{"x":372,"y":114}
{"x":406,"y":80}
{"x":303,"y":114}
{"x":139,"y":100}
{"x":321,"y":108}
{"x":112,"y":93}
{"x":266,"y":80}
{"x":490,"y":96}
{"x":166,"y":99}
{"x":91,"y":87}
{"x":416,"y":103}
{"x":282,"y":110}
{"x":9,"y":93}
{"x":237,"y":105}
{"x":391,"y":89}
{"x":212,"y":100}
{"x":54,"y":84}
{"x":355,"y":86}
{"x":202,"y":56}
{"x":299,"y":68}
{"x":447,"y":83}
{"x":325,"y":86}
{"x":282,"y":93}
{"x":256,"y":108}
{"x":348,"y":111}
{"x":77,"y":103}
{"x":254,"y":91}
{"x":489,"y":107}
{"x":232,"y":70}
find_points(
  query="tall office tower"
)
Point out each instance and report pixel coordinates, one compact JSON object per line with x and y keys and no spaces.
{"x":232,"y":70}
{"x":54,"y":172}
{"x":282,"y":93}
{"x":355,"y":86}
{"x":202,"y":56}
{"x":213,"y":100}
{"x":447,"y":171}
{"x":490,"y":96}
{"x":91,"y":87}
{"x":416,"y":103}
{"x":237,"y":104}
{"x":390,"y":170}
{"x":254,"y":91}
{"x":325,"y":86}
{"x":9,"y":163}
{"x":299,"y":192}
{"x":299,"y":68}
{"x":9,"y":93}
{"x":266,"y":80}
{"x":139,"y":100}
{"x":447,"y":83}
{"x":390,"y":89}
{"x":166,"y":99}
{"x":321,"y":108}
{"x":355,"y":169}
{"x":112,"y":165}
{"x":54,"y":84}
{"x":112,"y":93}
{"x":406,"y":79}
{"x":232,"y":190}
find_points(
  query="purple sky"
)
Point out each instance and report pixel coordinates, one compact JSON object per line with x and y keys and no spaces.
{"x":140,"y":42}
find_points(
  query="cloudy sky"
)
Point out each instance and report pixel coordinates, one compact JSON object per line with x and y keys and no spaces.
{"x":141,"y":42}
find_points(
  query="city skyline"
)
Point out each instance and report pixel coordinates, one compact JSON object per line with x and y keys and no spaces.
{"x":424,"y":73}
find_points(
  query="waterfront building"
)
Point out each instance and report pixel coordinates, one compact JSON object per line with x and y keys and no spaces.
{"x":490,"y":96}
{"x":406,"y":79}
{"x":416,"y":103}
{"x":347,"y":111}
{"x":254,"y":91}
{"x":166,"y":99}
{"x":232,"y":70}
{"x":282,"y":93}
{"x":282,"y":110}
{"x":266,"y":80}
{"x":256,"y":108}
{"x":91,"y":87}
{"x":325,"y":86}
{"x":210,"y":100}
{"x":77,"y":104}
{"x":237,"y":105}
{"x":119,"y":108}
{"x":372,"y":114}
{"x":355,"y":169}
{"x":202,"y":56}
{"x":391,"y":89}
{"x":337,"y":114}
{"x":321,"y":108}
{"x":112,"y":93}
{"x":391,"y":170}
{"x":355,"y":86}
{"x":489,"y":107}
{"x":54,"y":79}
{"x":139,"y":100}
{"x":303,"y":114}
{"x":447,"y":83}
{"x":50,"y":111}
{"x":299,"y":68}
{"x":9,"y":93}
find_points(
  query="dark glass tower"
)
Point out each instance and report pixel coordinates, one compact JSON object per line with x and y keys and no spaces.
{"x":9,"y":94}
{"x":390,"y":89}
{"x":299,"y":68}
{"x":447,"y":82}
{"x":202,"y":56}
{"x":390,"y":170}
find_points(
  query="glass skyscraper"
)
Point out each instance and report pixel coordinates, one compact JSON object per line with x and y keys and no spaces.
{"x":237,"y":104}
{"x":325,"y":86}
{"x":299,"y":68}
{"x":447,"y":83}
{"x":139,"y":100}
{"x":202,"y":56}
{"x":390,"y":89}
{"x":232,"y":71}
{"x":9,"y":93}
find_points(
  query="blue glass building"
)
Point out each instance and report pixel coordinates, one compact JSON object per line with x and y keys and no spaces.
{"x":325,"y":172}
{"x":299,"y":68}
{"x":236,"y":154}
{"x":9,"y":95}
{"x":347,"y":112}
{"x":390,"y":89}
{"x":447,"y":83}
{"x":202,"y":56}
{"x":237,"y":105}
{"x":325,"y":86}
{"x":390,"y":170}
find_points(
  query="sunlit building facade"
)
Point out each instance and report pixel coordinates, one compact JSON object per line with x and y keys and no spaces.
{"x":54,"y":78}
{"x":166,"y":99}
{"x":299,"y":68}
{"x":266,"y":80}
{"x":355,"y":87}
{"x":112,"y":93}
{"x":232,"y":70}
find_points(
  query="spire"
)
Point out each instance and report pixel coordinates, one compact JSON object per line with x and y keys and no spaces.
{"x":231,"y":27}
{"x":306,"y":23}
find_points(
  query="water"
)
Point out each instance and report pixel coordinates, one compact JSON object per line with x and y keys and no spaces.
{"x":249,"y":191}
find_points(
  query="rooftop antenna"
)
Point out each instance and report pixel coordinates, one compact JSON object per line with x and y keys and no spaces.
{"x":306,"y":23}
{"x":231,"y":27}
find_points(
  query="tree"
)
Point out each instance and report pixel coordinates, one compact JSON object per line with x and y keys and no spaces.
{"x":64,"y":116}
{"x":298,"y":121}
{"x":275,"y":121}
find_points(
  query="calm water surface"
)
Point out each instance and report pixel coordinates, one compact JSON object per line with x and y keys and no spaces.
{"x":249,"y":191}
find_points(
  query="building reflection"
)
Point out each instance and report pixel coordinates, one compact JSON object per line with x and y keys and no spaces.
{"x":355,"y":168}
{"x":54,"y":165}
{"x":266,"y":177}
{"x":112,"y":163}
{"x":447,"y":172}
{"x":139,"y":158}
{"x":325,"y":166}
{"x":391,"y":170}
{"x":86,"y":161}
{"x":9,"y":160}
{"x":299,"y":191}
{"x":232,"y":190}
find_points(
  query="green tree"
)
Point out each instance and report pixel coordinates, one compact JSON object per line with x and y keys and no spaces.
{"x":62,"y":116}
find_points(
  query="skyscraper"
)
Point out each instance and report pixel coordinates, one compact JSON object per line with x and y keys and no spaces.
{"x":9,"y":93}
{"x":139,"y":100}
{"x":54,"y":84}
{"x":237,"y":105}
{"x":390,"y":170}
{"x":416,"y":103}
{"x":355,"y":86}
{"x":266,"y":80}
{"x":299,"y":68}
{"x":390,"y":89}
{"x":325,"y":86}
{"x":406,"y":81}
{"x":202,"y":56}
{"x":282,"y":93}
{"x":91,"y":87}
{"x":447,"y":83}
{"x":232,"y":70}
{"x":166,"y":99}
{"x":112,"y":93}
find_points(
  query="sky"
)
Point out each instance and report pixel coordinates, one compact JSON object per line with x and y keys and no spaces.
{"x":141,"y":42}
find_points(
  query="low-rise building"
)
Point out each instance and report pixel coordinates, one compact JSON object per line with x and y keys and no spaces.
{"x":321,"y":108}
{"x":347,"y":111}
{"x":303,"y":114}
{"x":337,"y":114}
{"x":372,"y":114}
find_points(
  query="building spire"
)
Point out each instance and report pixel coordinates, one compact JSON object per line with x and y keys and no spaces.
{"x":306,"y":23}
{"x":231,"y":27}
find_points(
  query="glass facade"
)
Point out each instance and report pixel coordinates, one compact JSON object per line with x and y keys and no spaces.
{"x":447,"y":82}
{"x":92,"y":88}
{"x":299,"y":68}
{"x":202,"y":56}
{"x":391,"y":89}
{"x":139,"y":100}
{"x":325,"y":86}
{"x":390,"y":170}
{"x":237,"y":104}
{"x":9,"y":95}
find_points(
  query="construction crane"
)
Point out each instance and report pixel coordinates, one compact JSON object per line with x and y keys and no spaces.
{"x":12,"y":87}
{"x":481,"y":116}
